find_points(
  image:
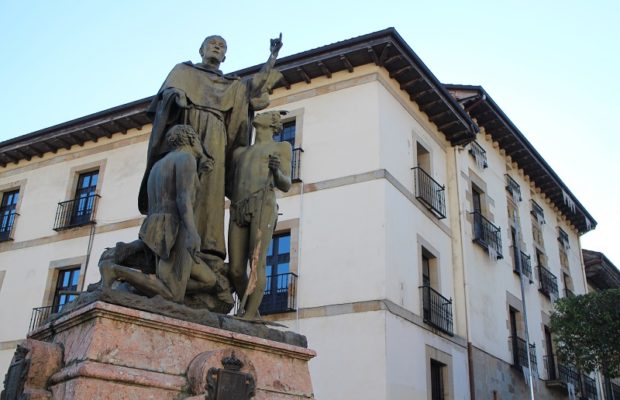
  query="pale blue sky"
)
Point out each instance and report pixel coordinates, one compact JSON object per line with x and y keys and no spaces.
{"x":552,"y":66}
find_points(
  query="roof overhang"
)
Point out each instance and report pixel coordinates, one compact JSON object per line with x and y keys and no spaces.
{"x":480,"y":106}
{"x":385,"y":49}
{"x":600,"y":271}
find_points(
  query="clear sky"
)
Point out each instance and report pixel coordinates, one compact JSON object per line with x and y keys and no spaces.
{"x":552,"y":66}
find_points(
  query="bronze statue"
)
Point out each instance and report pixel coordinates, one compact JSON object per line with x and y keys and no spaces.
{"x":219,"y":108}
{"x":201,"y":118}
{"x":256,"y":170}
{"x":169,"y":229}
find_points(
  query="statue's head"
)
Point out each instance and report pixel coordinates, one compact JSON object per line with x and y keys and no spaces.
{"x":269,"y":119}
{"x":213,"y":48}
{"x":182,"y":135}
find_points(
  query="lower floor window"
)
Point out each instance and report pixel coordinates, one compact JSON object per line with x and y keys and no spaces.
{"x":66,"y":287}
{"x":437,"y":383}
{"x":280,"y":285}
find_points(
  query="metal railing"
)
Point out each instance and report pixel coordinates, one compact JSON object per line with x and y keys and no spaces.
{"x":563,"y":372}
{"x":430,"y":192}
{"x":7,"y":222}
{"x":479,"y":154}
{"x":40,"y":316}
{"x":588,"y":388}
{"x":76,"y":212}
{"x":538,"y":212}
{"x":296,"y":164}
{"x":548,"y":282}
{"x":513,"y":188}
{"x":615,"y":389}
{"x":526,"y":264}
{"x":563,"y":239}
{"x":437,"y":310}
{"x":279,"y":295}
{"x":519,"y":353}
{"x":486,"y":234}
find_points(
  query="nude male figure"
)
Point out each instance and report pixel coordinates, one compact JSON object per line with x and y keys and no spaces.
{"x":257,"y":170}
{"x":169,"y":229}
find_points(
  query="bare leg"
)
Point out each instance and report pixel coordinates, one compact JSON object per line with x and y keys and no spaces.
{"x":203,"y":274}
{"x":262,"y":240}
{"x":175,"y":271}
{"x":238,"y":238}
{"x":148,"y":284}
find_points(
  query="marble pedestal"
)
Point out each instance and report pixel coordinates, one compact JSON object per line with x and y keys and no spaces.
{"x":113,"y":352}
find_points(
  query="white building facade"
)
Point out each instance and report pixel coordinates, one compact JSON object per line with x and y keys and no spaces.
{"x":393,"y":252}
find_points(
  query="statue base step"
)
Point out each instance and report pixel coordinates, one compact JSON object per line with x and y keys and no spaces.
{"x":113,"y":352}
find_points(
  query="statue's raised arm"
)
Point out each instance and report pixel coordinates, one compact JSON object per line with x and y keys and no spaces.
{"x":263,"y":81}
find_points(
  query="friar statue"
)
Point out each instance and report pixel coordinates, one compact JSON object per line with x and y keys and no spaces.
{"x":219,"y":108}
{"x":257,"y":171}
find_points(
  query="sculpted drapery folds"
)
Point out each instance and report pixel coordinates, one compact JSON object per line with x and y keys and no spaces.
{"x":219,"y":108}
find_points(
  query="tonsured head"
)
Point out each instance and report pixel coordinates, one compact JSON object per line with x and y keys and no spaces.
{"x":213,"y":48}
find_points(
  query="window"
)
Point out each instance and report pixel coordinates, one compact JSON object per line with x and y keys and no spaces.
{"x":85,"y":193}
{"x":538,"y":213}
{"x":513,"y":188}
{"x":487,"y":235}
{"x":288,"y":135}
{"x":279,"y":295}
{"x":479,"y":154}
{"x":80,"y":210}
{"x":519,"y":346}
{"x":437,"y":381}
{"x":563,"y":239}
{"x":436,"y":309}
{"x":66,"y":287}
{"x":7,"y":214}
{"x":427,"y":190}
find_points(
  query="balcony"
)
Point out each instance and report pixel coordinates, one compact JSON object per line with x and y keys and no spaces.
{"x":487,"y":235}
{"x":513,"y":188}
{"x":538,"y":213}
{"x":279,"y":295}
{"x":437,"y":310}
{"x":430,"y":192}
{"x":615,"y":389}
{"x":296,"y":164}
{"x":519,"y":353}
{"x":7,"y":222}
{"x":526,"y":264}
{"x":548,"y":282}
{"x":561,"y":374}
{"x":563,"y":239}
{"x":479,"y":154}
{"x":76,"y":212}
{"x":40,"y":316}
{"x":588,"y":388}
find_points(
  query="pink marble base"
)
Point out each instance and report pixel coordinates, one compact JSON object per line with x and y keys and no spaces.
{"x":113,"y":352}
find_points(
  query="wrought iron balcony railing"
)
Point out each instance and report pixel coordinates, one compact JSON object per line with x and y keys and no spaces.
{"x":615,"y":389}
{"x":513,"y":188}
{"x":296,"y":164}
{"x":538,"y":212}
{"x":40,"y":316}
{"x":430,"y":192}
{"x":588,"y":388}
{"x":548,"y":282}
{"x":279,"y":295}
{"x":76,"y":212}
{"x":526,"y":264}
{"x":7,"y":222}
{"x":561,"y":372}
{"x":519,"y":353}
{"x":487,"y":235}
{"x":479,"y":154}
{"x":437,"y":310}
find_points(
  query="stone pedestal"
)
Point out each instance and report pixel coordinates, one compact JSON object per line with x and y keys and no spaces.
{"x":113,"y":352}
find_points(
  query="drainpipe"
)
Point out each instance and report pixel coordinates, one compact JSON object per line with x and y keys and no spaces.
{"x":517,"y":245}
